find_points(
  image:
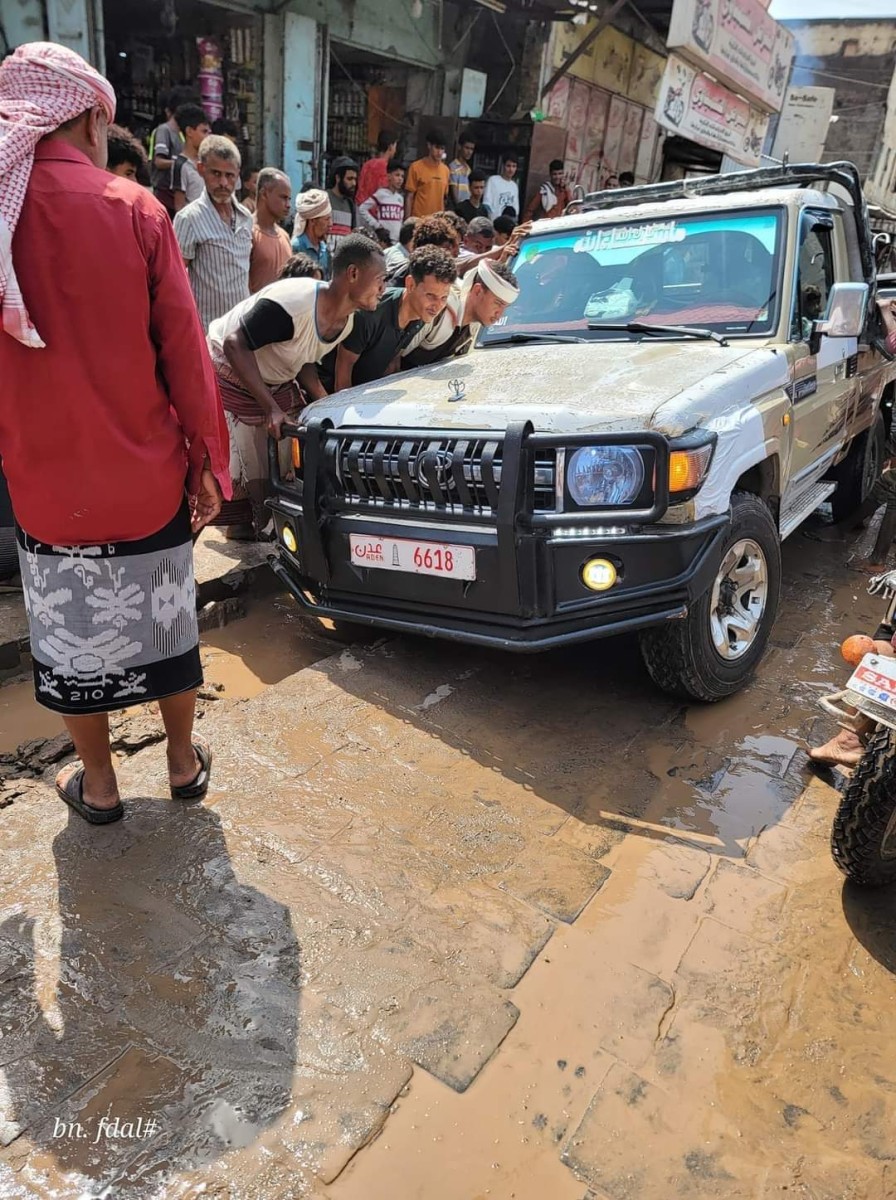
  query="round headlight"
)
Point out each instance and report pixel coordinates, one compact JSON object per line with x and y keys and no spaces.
{"x":289,"y":539}
{"x":605,"y":475}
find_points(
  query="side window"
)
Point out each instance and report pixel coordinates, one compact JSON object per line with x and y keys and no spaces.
{"x":814,"y":281}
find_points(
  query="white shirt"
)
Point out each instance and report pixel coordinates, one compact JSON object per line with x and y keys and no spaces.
{"x":396,"y":256}
{"x":437,"y":332}
{"x":283,"y":333}
{"x":501,"y":193}
{"x":385,"y":208}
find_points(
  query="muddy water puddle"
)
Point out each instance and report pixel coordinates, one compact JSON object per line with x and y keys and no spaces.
{"x":240,"y":659}
{"x":711,"y":1024}
{"x":260,"y":649}
{"x":22,"y":718}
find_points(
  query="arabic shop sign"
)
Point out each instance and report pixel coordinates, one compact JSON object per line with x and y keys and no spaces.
{"x":804,"y":123}
{"x":697,"y":107}
{"x":737,"y":42}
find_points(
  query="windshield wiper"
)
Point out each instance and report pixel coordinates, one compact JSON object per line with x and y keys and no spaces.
{"x":519,"y":338}
{"x":708,"y":335}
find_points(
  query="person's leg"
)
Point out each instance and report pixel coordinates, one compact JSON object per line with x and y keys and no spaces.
{"x":241,"y":530}
{"x":254,"y":453}
{"x":177,"y":714}
{"x":857,"y":520}
{"x":90,"y":735}
{"x":846,"y":748}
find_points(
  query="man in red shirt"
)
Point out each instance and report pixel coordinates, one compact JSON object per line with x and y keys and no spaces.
{"x":375,"y":171}
{"x":109,"y":420}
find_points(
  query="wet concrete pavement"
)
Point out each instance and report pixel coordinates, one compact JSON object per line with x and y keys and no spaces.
{"x":454,"y":925}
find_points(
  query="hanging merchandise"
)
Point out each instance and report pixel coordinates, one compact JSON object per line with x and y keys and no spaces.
{"x":211,"y":77}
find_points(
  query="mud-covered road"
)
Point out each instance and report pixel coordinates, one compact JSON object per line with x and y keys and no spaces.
{"x":454,"y":925}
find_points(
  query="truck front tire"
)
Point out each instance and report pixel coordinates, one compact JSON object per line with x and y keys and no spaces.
{"x":713,"y":651}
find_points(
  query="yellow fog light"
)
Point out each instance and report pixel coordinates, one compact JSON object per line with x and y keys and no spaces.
{"x":289,"y":539}
{"x":599,"y":574}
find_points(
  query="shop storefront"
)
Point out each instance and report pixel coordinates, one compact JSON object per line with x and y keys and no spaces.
{"x":350,"y":73}
{"x":367,"y":95}
{"x":605,"y":103}
{"x":151,"y":48}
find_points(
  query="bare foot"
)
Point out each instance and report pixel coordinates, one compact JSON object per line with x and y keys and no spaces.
{"x":183,"y":769}
{"x":865,"y":567}
{"x":844,"y":750}
{"x":99,"y":789}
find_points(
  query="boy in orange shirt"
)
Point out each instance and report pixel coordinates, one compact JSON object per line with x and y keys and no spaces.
{"x":426,"y":186}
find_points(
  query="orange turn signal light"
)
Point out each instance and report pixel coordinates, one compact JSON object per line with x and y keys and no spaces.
{"x":687,"y":468}
{"x":296,"y":453}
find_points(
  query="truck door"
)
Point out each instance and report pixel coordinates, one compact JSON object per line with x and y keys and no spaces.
{"x":820,"y":390}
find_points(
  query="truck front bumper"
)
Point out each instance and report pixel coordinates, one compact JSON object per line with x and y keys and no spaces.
{"x":537,"y":604}
{"x":476,"y":491}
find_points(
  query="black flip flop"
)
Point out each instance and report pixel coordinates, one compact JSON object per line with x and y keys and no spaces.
{"x":73,"y":795}
{"x":198,"y":786}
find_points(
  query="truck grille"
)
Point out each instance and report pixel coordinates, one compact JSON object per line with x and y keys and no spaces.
{"x":456,"y":474}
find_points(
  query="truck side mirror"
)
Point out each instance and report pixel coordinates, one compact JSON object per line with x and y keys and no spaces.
{"x":845,"y":315}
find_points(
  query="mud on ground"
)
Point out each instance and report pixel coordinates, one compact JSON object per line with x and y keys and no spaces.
{"x":454,"y":925}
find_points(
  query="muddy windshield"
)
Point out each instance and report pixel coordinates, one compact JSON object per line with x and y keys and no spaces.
{"x":718,"y":271}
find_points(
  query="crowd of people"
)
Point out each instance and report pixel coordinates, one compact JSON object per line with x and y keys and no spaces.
{"x":388,"y":268}
{"x":161,"y":369}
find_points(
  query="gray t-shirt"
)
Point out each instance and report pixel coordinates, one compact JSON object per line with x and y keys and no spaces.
{"x":187,"y":178}
{"x":168,"y":143}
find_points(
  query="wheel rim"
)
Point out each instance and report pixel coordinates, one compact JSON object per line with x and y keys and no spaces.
{"x":871,"y":465}
{"x":739,"y":598}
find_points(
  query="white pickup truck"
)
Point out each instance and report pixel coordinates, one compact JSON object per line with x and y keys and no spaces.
{"x":690,"y":370}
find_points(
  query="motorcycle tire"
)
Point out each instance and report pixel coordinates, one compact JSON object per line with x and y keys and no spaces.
{"x":863,"y":839}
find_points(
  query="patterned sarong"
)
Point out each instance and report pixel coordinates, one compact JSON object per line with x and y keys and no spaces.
{"x":112,"y":625}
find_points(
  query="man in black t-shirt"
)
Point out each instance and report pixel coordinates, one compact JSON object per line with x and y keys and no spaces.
{"x":474,"y":207}
{"x":373,"y":348}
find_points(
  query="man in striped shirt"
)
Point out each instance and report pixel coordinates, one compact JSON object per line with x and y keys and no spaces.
{"x":215,"y":233}
{"x":342,"y":201}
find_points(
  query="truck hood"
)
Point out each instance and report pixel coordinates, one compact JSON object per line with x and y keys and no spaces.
{"x":600,"y":386}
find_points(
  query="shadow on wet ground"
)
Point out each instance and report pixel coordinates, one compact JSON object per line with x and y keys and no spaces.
{"x":586,"y":730}
{"x":871,"y":917}
{"x":150,"y":1014}
{"x":412,"y":868}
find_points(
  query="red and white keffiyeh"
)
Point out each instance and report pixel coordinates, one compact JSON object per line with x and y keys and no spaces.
{"x":42,"y":85}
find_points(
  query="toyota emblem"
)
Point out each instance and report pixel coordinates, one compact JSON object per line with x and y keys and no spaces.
{"x":433,"y":463}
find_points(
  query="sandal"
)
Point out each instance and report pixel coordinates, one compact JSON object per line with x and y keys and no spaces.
{"x":72,"y":792}
{"x":198,"y":786}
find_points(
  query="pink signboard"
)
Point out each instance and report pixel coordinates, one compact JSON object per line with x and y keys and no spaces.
{"x":558,"y":100}
{"x":615,"y":133}
{"x":695,"y":106}
{"x":738,"y":42}
{"x":577,"y":119}
{"x":595,"y":132}
{"x":631,"y":135}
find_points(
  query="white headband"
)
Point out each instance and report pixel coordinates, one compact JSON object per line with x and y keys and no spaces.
{"x":490,"y":278}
